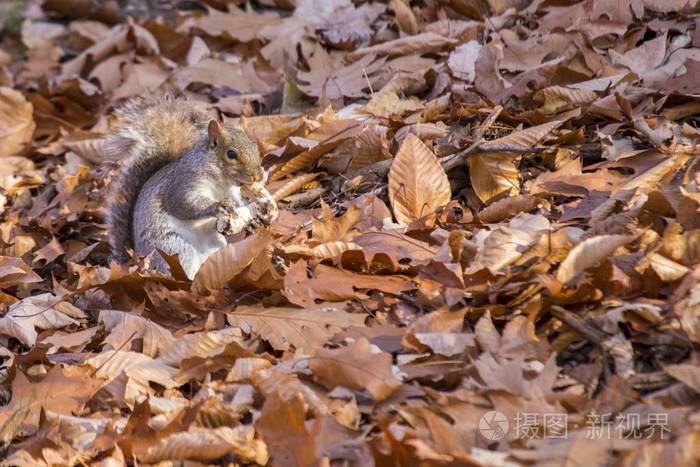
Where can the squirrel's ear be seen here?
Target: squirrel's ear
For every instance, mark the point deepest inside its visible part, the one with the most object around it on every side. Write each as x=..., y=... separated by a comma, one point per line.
x=215, y=131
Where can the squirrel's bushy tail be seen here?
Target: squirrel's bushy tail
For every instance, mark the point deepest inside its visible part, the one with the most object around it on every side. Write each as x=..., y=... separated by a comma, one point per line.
x=150, y=134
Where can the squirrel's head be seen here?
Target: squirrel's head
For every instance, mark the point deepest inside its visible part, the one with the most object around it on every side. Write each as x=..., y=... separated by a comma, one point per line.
x=237, y=155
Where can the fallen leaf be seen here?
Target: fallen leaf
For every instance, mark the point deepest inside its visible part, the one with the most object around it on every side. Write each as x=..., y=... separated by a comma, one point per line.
x=305, y=329
x=418, y=185
x=225, y=264
x=588, y=253
x=62, y=391
x=356, y=367
x=17, y=127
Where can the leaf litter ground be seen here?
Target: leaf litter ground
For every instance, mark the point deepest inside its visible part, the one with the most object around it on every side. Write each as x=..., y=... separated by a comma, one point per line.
x=487, y=252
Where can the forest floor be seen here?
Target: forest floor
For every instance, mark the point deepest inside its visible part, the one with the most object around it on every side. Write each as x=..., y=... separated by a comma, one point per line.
x=487, y=253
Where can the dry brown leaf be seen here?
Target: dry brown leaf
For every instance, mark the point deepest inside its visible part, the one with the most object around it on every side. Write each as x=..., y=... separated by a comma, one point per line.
x=631, y=191
x=293, y=185
x=205, y=444
x=326, y=250
x=387, y=104
x=462, y=61
x=129, y=374
x=201, y=344
x=331, y=228
x=334, y=285
x=16, y=122
x=356, y=367
x=404, y=16
x=282, y=426
x=588, y=253
x=321, y=141
x=235, y=24
x=124, y=328
x=62, y=391
x=506, y=207
x=14, y=271
x=502, y=247
x=558, y=98
x=494, y=174
x=44, y=311
x=307, y=329
x=420, y=43
x=418, y=185
x=228, y=262
x=334, y=79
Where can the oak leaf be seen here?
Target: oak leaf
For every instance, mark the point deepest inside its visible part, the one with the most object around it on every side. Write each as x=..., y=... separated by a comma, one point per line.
x=62, y=390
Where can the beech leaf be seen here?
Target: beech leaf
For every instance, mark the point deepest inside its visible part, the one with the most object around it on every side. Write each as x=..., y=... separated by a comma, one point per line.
x=356, y=367
x=228, y=262
x=418, y=185
x=588, y=253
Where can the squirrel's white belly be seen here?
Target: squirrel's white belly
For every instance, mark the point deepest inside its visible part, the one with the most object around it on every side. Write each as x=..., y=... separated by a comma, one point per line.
x=202, y=237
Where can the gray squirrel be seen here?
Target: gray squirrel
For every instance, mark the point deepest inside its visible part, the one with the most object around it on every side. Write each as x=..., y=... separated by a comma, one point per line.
x=185, y=183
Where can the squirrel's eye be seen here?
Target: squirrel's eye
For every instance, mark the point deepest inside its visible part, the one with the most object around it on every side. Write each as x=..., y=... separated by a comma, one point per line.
x=232, y=154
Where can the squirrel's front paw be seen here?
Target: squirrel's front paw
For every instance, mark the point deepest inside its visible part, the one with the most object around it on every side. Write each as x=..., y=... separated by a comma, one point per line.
x=223, y=221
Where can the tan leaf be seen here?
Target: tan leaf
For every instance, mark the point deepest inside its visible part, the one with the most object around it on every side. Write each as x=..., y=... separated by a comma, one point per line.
x=130, y=373
x=420, y=43
x=124, y=328
x=687, y=374
x=200, y=344
x=73, y=341
x=557, y=98
x=529, y=137
x=387, y=104
x=356, y=367
x=44, y=311
x=504, y=208
x=502, y=247
x=229, y=261
x=369, y=147
x=216, y=73
x=14, y=271
x=493, y=174
x=16, y=122
x=667, y=269
x=334, y=78
x=331, y=228
x=206, y=444
x=320, y=142
x=62, y=390
x=418, y=185
x=235, y=24
x=589, y=253
x=282, y=425
x=404, y=16
x=323, y=251
x=335, y=285
x=631, y=191
x=293, y=185
x=305, y=329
